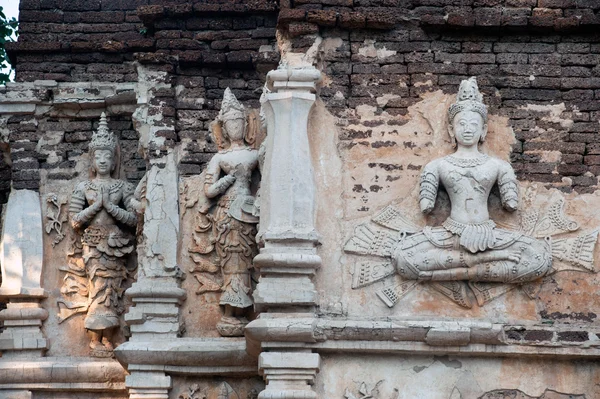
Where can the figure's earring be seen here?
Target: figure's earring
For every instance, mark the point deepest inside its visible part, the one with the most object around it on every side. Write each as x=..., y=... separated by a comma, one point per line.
x=451, y=134
x=484, y=131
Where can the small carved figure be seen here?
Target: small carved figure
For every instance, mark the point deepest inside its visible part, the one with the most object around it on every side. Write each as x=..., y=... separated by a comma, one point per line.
x=468, y=247
x=229, y=228
x=102, y=213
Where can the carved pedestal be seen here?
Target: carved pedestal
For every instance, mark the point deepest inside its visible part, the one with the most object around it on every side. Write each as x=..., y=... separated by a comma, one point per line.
x=21, y=259
x=156, y=295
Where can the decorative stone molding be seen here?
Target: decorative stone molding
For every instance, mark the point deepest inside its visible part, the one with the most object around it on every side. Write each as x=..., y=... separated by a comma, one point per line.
x=22, y=252
x=67, y=99
x=288, y=259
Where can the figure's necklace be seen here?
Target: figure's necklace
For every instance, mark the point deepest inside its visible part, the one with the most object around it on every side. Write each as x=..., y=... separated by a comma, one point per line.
x=111, y=185
x=236, y=149
x=467, y=162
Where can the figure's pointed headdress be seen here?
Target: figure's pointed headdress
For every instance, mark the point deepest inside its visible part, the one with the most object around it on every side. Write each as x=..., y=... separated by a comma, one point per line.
x=231, y=108
x=468, y=98
x=103, y=139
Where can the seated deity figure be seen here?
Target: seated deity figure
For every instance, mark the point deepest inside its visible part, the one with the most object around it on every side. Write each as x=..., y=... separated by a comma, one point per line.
x=468, y=246
x=228, y=181
x=101, y=212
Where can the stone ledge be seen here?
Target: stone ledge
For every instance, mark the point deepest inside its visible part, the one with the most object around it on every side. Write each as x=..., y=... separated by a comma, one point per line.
x=479, y=337
x=76, y=373
x=421, y=348
x=191, y=356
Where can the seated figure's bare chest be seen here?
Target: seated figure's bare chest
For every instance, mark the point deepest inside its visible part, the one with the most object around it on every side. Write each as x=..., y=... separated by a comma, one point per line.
x=464, y=179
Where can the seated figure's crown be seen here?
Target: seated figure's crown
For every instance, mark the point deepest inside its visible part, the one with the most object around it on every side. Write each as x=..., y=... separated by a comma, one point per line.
x=103, y=139
x=468, y=98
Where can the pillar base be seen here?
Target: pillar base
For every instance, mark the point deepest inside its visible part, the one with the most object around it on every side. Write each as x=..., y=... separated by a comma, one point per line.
x=289, y=375
x=148, y=385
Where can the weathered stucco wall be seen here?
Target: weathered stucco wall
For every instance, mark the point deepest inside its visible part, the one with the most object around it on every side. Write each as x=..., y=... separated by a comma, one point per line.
x=456, y=377
x=389, y=70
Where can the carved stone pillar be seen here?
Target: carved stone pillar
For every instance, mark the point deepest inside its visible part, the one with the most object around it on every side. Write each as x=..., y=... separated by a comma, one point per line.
x=156, y=295
x=288, y=259
x=289, y=375
x=22, y=254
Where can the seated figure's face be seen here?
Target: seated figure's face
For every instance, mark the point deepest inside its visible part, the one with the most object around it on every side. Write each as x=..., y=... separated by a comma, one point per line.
x=468, y=128
x=103, y=162
x=235, y=129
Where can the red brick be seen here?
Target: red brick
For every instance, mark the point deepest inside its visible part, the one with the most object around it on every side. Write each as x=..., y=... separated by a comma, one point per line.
x=460, y=16
x=149, y=14
x=544, y=16
x=291, y=15
x=515, y=16
x=322, y=17
x=488, y=16
x=302, y=28
x=352, y=20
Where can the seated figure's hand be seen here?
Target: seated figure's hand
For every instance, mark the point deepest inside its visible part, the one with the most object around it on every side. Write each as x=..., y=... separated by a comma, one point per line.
x=426, y=205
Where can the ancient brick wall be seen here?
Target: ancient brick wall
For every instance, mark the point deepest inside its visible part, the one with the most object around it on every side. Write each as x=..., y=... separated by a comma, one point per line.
x=537, y=62
x=212, y=45
x=78, y=41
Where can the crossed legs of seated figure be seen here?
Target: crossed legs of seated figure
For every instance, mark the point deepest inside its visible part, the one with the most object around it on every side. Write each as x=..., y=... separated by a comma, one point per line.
x=526, y=259
x=463, y=265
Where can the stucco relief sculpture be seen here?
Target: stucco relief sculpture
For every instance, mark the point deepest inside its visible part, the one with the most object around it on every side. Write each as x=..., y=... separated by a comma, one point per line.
x=55, y=217
x=224, y=240
x=365, y=393
x=469, y=251
x=103, y=217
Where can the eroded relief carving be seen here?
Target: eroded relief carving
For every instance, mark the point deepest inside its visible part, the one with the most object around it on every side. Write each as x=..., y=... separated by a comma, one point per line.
x=517, y=394
x=55, y=217
x=226, y=219
x=102, y=214
x=223, y=391
x=365, y=393
x=468, y=252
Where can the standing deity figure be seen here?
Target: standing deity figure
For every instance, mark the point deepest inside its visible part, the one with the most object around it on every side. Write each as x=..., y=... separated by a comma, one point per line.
x=468, y=246
x=228, y=182
x=102, y=213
